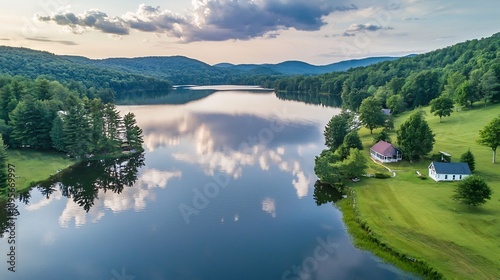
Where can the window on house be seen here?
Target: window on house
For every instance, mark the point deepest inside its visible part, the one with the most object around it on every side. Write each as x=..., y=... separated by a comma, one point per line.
x=446, y=177
x=453, y=177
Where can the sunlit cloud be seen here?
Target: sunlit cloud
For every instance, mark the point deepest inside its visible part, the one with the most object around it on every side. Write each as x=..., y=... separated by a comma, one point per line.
x=208, y=20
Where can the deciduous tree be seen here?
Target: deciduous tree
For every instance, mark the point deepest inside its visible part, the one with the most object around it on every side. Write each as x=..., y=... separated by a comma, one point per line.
x=441, y=106
x=472, y=191
x=415, y=137
x=489, y=136
x=370, y=113
x=336, y=129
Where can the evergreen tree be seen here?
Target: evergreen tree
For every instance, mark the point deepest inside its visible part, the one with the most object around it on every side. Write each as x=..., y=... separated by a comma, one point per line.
x=112, y=128
x=77, y=132
x=8, y=103
x=415, y=138
x=468, y=157
x=57, y=134
x=133, y=133
x=3, y=168
x=24, y=121
x=42, y=89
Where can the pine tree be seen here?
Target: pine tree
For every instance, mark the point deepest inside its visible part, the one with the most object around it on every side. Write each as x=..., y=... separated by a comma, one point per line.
x=112, y=128
x=468, y=157
x=57, y=134
x=77, y=132
x=3, y=167
x=133, y=133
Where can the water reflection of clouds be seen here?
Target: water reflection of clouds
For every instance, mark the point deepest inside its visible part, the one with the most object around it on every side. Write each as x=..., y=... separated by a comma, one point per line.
x=217, y=140
x=131, y=198
x=269, y=206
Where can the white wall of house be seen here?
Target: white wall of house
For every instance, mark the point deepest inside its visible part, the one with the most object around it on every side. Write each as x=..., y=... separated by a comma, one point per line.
x=445, y=177
x=382, y=158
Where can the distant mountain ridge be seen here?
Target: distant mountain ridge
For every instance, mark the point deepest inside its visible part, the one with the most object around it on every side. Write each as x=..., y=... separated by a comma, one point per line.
x=184, y=70
x=302, y=68
x=155, y=72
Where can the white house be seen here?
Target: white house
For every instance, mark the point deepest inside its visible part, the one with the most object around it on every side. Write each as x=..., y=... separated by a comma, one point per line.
x=448, y=171
x=385, y=152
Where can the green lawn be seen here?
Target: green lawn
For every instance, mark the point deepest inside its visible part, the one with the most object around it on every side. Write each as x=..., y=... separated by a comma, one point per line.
x=418, y=217
x=33, y=166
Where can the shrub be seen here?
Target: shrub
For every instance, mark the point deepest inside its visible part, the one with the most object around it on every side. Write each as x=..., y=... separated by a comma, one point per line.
x=382, y=175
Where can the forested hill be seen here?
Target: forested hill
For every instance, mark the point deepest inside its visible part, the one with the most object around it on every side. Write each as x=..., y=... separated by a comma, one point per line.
x=183, y=70
x=465, y=73
x=178, y=69
x=302, y=68
x=33, y=64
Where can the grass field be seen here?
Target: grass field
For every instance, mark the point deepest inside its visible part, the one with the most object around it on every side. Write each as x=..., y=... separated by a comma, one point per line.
x=32, y=166
x=418, y=217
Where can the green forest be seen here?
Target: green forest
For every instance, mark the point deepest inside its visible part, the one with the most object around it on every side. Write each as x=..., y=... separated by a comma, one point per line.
x=465, y=73
x=47, y=115
x=34, y=64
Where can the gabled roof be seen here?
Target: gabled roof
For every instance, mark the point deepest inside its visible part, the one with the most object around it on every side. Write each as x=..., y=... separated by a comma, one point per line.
x=384, y=148
x=386, y=112
x=451, y=167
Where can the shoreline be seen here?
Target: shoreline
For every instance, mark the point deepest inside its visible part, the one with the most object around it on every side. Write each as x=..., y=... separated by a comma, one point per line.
x=365, y=238
x=44, y=156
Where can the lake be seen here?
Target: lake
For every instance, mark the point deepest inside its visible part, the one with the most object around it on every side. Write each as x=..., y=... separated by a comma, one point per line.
x=224, y=190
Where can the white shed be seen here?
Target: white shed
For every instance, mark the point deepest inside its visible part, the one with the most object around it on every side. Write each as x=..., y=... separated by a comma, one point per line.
x=448, y=171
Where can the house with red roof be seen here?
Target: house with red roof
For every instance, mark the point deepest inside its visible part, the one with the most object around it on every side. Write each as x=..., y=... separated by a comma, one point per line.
x=385, y=152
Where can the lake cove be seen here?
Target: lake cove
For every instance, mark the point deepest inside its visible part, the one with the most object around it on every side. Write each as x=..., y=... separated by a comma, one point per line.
x=224, y=190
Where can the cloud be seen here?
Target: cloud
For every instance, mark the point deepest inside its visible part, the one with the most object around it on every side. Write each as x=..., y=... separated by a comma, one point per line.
x=367, y=27
x=4, y=39
x=47, y=40
x=91, y=19
x=269, y=206
x=208, y=20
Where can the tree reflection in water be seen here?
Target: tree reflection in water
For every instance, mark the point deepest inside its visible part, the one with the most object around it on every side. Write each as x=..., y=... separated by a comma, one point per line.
x=325, y=193
x=83, y=181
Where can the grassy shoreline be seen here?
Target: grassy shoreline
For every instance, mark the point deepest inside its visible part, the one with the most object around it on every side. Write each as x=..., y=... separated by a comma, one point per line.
x=35, y=166
x=418, y=219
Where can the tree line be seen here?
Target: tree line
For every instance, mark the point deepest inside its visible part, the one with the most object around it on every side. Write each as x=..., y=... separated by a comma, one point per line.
x=46, y=115
x=33, y=64
x=464, y=73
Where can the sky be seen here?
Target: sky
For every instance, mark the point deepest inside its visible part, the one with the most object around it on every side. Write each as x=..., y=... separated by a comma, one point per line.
x=245, y=31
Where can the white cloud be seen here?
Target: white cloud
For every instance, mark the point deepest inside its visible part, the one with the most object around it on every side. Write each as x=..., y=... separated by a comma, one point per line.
x=269, y=206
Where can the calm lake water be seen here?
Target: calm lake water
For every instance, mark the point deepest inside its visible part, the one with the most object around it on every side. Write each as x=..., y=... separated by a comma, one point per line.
x=224, y=190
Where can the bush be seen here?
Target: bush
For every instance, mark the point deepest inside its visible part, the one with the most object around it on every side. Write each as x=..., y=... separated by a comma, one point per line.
x=382, y=175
